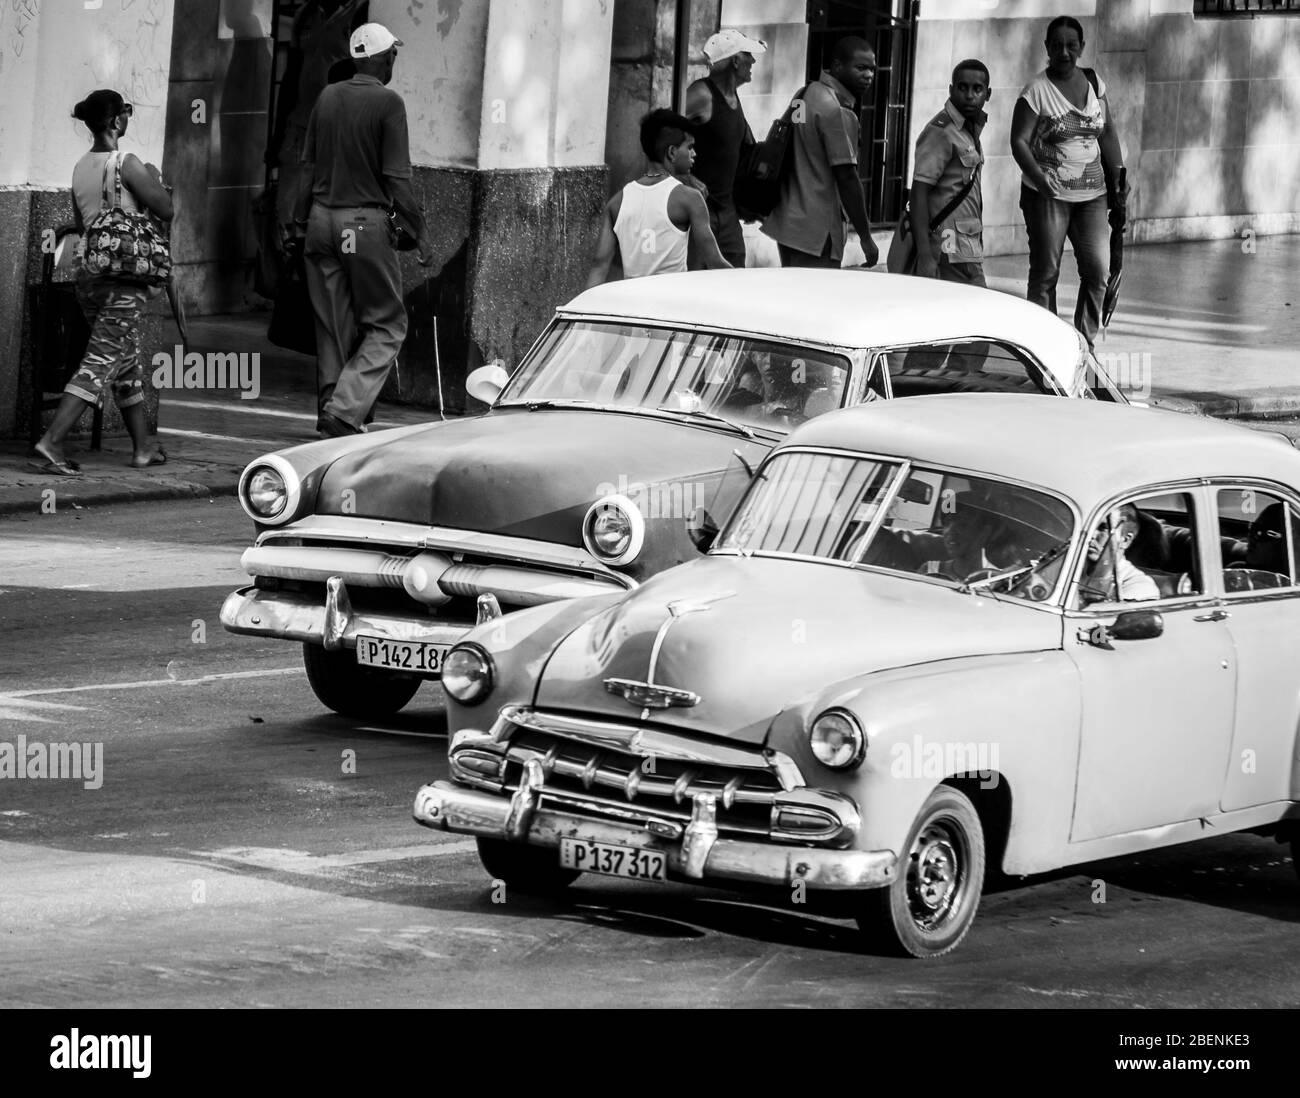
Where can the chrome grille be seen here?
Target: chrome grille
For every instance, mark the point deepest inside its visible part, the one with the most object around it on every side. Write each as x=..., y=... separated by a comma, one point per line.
x=606, y=781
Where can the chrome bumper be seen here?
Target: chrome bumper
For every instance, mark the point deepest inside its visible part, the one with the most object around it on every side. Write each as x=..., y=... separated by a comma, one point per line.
x=700, y=854
x=334, y=625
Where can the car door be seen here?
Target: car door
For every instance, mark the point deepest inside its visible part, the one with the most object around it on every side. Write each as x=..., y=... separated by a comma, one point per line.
x=1157, y=713
x=1262, y=603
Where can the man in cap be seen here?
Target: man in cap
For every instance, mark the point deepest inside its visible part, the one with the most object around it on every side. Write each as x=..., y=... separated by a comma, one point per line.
x=356, y=168
x=722, y=136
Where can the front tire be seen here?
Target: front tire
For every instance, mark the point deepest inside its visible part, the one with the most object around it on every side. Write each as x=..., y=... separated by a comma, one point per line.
x=352, y=689
x=532, y=870
x=928, y=908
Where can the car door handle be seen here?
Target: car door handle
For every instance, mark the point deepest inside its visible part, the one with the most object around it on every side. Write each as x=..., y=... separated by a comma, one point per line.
x=1213, y=615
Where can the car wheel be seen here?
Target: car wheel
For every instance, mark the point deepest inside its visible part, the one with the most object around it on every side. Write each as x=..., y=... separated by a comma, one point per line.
x=353, y=689
x=532, y=870
x=927, y=909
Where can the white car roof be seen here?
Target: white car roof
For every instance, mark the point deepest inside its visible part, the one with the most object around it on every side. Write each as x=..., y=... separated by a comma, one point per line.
x=847, y=308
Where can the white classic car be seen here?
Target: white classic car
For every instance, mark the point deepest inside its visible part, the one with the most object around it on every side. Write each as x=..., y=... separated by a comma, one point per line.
x=946, y=634
x=372, y=551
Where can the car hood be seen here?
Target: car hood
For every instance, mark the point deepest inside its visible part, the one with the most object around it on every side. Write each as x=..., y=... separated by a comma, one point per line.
x=519, y=473
x=752, y=636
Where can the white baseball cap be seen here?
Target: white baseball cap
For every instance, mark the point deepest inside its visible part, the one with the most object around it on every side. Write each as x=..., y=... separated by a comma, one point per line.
x=372, y=39
x=729, y=42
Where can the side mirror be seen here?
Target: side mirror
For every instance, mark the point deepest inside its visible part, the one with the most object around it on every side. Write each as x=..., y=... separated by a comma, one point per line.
x=486, y=382
x=701, y=529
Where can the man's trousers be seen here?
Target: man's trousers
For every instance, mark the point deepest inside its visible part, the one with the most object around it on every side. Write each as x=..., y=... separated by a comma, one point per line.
x=355, y=284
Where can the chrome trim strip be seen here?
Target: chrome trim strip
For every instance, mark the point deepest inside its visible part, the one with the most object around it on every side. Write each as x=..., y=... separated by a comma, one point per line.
x=363, y=531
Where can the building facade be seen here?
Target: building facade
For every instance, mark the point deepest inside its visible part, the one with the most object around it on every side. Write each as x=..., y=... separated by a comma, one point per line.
x=523, y=120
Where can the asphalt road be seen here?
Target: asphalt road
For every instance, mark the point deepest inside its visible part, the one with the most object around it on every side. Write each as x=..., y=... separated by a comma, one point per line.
x=246, y=848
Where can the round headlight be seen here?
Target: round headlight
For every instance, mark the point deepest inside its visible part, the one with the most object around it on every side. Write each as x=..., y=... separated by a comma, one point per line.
x=267, y=493
x=467, y=674
x=614, y=530
x=270, y=490
x=837, y=740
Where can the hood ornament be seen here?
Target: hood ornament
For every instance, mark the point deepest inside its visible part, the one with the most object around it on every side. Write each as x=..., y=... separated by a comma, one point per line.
x=647, y=695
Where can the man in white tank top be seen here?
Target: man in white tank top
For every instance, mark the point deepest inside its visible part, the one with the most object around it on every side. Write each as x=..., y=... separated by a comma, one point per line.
x=652, y=219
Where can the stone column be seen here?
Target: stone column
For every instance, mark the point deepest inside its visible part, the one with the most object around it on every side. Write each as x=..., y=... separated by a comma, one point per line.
x=506, y=103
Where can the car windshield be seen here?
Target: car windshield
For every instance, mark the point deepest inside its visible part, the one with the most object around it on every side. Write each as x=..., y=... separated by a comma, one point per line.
x=757, y=382
x=937, y=523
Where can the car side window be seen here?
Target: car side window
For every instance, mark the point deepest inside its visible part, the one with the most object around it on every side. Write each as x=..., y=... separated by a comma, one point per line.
x=1142, y=549
x=964, y=366
x=1258, y=537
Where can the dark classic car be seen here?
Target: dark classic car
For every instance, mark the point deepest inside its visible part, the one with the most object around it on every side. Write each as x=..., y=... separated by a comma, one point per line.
x=586, y=473
x=953, y=633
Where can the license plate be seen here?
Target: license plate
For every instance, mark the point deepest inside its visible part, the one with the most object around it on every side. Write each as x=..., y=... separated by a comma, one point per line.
x=401, y=655
x=614, y=860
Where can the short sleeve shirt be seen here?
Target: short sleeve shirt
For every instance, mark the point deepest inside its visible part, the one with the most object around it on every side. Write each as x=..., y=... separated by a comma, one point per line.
x=947, y=156
x=356, y=135
x=808, y=214
x=1065, y=139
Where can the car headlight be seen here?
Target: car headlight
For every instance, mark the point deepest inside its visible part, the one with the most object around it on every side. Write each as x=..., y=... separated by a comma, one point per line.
x=269, y=490
x=837, y=739
x=614, y=530
x=467, y=674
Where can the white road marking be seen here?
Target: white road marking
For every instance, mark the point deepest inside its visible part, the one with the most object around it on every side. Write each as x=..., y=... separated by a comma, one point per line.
x=401, y=732
x=218, y=438
x=300, y=861
x=215, y=407
x=154, y=682
x=14, y=709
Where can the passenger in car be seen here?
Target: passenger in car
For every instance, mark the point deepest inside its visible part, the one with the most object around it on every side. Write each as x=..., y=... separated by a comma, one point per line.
x=1265, y=546
x=969, y=530
x=1107, y=569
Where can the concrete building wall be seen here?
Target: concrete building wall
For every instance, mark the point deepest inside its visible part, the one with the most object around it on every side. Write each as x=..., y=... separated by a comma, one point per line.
x=1206, y=108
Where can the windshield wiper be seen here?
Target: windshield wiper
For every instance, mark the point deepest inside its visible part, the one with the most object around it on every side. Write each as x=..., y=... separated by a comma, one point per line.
x=711, y=416
x=533, y=405
x=1013, y=575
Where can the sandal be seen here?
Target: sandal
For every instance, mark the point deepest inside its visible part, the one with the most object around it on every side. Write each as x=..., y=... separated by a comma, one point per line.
x=56, y=468
x=49, y=459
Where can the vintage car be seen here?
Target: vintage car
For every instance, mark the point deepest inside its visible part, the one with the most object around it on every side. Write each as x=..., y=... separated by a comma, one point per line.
x=946, y=634
x=618, y=425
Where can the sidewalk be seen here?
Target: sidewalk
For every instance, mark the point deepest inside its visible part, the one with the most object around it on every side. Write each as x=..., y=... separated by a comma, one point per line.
x=1214, y=326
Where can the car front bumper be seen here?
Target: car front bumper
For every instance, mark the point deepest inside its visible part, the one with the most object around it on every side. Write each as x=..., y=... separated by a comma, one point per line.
x=700, y=854
x=291, y=616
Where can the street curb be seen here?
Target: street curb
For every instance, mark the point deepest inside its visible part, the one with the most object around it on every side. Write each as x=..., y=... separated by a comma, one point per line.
x=28, y=499
x=1266, y=404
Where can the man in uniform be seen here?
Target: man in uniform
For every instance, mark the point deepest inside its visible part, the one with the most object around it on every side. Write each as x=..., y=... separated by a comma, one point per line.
x=356, y=168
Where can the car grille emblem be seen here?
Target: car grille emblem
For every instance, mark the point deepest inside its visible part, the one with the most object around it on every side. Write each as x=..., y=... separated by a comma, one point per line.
x=645, y=695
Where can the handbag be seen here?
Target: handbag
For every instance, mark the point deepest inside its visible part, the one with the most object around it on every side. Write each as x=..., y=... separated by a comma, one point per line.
x=401, y=233
x=757, y=188
x=902, y=257
x=129, y=246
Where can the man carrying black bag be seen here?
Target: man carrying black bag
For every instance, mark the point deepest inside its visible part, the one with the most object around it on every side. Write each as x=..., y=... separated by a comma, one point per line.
x=946, y=193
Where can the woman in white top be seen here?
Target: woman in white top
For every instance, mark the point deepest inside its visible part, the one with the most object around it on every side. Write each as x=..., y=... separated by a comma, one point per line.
x=651, y=219
x=1065, y=141
x=114, y=309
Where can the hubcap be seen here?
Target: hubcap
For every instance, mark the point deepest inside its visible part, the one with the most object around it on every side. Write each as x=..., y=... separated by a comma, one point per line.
x=936, y=874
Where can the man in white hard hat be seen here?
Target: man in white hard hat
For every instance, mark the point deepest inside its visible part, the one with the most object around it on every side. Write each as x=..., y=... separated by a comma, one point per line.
x=722, y=136
x=356, y=168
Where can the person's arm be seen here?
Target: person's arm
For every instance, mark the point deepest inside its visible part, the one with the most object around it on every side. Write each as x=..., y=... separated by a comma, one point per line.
x=927, y=262
x=854, y=202
x=145, y=182
x=395, y=164
x=1023, y=121
x=690, y=202
x=606, y=245
x=699, y=102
